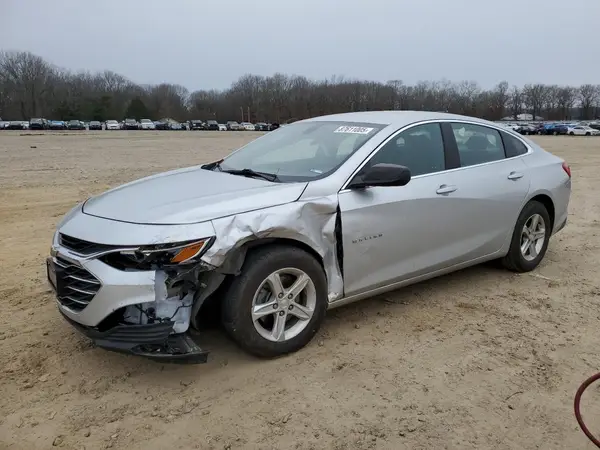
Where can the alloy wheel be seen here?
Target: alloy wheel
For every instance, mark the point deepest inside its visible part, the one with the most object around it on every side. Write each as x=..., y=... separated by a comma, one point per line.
x=533, y=236
x=283, y=304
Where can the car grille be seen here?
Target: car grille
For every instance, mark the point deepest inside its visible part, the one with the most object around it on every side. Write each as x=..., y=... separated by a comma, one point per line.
x=83, y=247
x=76, y=286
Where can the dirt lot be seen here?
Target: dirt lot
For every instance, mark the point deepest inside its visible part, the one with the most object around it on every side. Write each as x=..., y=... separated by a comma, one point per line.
x=481, y=359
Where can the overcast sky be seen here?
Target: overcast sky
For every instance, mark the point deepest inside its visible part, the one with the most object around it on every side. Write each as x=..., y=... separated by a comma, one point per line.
x=205, y=44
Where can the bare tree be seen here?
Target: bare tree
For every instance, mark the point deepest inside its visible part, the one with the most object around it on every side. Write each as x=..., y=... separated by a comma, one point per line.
x=565, y=97
x=30, y=86
x=534, y=97
x=515, y=100
x=26, y=75
x=588, y=95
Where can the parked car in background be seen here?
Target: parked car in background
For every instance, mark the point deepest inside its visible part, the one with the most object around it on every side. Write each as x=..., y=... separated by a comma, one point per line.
x=38, y=124
x=212, y=125
x=16, y=125
x=222, y=127
x=261, y=126
x=258, y=233
x=162, y=125
x=75, y=125
x=147, y=124
x=555, y=129
x=582, y=130
x=232, y=125
x=274, y=126
x=3, y=125
x=526, y=129
x=197, y=125
x=247, y=126
x=169, y=124
x=95, y=125
x=57, y=125
x=130, y=124
x=112, y=125
x=538, y=128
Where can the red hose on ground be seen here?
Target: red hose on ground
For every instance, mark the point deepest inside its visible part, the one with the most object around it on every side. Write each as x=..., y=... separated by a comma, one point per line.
x=578, y=395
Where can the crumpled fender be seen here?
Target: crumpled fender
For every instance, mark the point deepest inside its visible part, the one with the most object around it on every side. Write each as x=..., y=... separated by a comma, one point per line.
x=311, y=222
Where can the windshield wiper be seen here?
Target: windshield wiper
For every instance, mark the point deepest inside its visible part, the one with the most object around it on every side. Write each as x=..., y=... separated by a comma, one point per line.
x=253, y=174
x=213, y=165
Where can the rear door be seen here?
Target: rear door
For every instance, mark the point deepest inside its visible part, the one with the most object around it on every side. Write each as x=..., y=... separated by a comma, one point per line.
x=492, y=184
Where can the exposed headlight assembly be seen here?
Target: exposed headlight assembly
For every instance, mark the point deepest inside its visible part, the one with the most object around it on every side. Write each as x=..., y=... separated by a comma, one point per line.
x=159, y=256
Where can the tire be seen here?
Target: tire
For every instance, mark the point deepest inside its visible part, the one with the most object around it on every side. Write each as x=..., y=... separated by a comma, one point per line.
x=515, y=260
x=239, y=302
x=588, y=134
x=572, y=134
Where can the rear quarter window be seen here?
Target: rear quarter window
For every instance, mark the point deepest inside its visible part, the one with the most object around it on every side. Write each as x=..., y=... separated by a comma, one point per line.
x=513, y=146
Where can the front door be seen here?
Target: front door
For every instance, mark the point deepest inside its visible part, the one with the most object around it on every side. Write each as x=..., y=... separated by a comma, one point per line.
x=396, y=233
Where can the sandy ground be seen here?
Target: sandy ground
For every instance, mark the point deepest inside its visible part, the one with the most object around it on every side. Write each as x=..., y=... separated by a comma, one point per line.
x=480, y=359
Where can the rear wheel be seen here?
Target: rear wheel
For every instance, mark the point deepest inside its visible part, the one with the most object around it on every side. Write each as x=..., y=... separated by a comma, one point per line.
x=278, y=302
x=572, y=134
x=530, y=238
x=588, y=134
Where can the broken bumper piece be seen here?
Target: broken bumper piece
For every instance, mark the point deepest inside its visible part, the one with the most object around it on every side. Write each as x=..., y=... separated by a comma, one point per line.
x=153, y=341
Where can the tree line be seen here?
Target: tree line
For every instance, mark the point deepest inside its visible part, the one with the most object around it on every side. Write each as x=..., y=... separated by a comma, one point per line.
x=33, y=87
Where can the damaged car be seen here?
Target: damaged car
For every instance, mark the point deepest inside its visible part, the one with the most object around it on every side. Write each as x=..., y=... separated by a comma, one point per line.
x=317, y=214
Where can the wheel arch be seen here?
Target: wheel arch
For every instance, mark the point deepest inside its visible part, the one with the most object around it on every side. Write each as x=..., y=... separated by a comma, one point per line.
x=548, y=203
x=233, y=264
x=236, y=257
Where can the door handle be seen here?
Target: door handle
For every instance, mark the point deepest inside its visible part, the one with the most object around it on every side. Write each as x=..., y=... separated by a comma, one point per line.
x=445, y=189
x=515, y=175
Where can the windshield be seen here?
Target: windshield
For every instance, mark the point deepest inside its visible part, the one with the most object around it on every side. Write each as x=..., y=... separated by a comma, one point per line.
x=303, y=151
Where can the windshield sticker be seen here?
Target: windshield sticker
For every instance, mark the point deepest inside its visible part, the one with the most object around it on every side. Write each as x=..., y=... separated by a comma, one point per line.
x=354, y=130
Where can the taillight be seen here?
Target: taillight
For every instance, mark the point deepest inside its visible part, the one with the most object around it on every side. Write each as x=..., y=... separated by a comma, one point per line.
x=566, y=168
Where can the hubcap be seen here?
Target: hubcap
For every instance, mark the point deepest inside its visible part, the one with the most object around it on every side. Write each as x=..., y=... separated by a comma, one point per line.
x=533, y=236
x=283, y=304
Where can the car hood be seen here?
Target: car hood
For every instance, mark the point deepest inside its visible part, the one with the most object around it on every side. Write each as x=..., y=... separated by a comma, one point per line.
x=189, y=195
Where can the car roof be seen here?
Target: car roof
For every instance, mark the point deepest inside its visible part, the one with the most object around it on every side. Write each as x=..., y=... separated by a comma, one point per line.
x=395, y=118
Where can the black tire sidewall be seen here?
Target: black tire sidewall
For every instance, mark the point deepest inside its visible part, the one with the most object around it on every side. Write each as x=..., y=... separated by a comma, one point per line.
x=514, y=255
x=237, y=304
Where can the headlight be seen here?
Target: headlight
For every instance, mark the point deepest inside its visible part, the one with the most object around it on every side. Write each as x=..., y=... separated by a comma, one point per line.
x=179, y=253
x=152, y=257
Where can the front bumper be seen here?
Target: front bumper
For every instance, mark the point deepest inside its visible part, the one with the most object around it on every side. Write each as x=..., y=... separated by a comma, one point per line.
x=93, y=295
x=153, y=341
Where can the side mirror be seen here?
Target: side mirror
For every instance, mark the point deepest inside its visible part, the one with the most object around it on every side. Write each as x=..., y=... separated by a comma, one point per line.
x=381, y=175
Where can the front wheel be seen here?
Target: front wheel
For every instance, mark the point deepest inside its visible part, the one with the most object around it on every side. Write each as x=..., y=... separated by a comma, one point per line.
x=278, y=302
x=530, y=238
x=572, y=134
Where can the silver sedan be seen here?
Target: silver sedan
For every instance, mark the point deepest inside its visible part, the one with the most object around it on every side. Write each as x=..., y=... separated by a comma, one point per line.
x=314, y=215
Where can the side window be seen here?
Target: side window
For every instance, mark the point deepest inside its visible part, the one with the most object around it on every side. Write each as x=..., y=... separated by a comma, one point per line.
x=477, y=144
x=513, y=146
x=419, y=148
